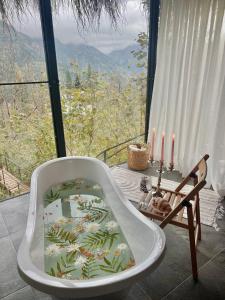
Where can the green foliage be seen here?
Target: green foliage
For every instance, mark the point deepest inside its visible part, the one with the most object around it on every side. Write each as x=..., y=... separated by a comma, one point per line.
x=94, y=213
x=51, y=196
x=141, y=53
x=67, y=185
x=70, y=257
x=112, y=266
x=77, y=81
x=62, y=267
x=99, y=239
x=89, y=268
x=60, y=236
x=68, y=79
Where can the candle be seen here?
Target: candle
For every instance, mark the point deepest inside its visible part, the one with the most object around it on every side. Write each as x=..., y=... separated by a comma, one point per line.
x=162, y=148
x=172, y=150
x=153, y=142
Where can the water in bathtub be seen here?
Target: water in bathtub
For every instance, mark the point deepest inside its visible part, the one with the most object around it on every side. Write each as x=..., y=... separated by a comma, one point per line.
x=82, y=236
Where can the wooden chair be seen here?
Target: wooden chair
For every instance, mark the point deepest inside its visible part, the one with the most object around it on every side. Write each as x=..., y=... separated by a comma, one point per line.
x=179, y=201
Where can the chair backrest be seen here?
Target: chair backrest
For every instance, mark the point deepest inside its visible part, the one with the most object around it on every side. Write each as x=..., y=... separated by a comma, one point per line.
x=200, y=170
x=197, y=174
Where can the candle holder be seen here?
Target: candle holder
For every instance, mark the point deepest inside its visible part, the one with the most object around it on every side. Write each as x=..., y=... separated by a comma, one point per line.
x=157, y=192
x=171, y=167
x=152, y=161
x=161, y=169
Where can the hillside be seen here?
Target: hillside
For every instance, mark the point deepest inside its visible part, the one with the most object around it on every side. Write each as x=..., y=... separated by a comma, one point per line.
x=21, y=49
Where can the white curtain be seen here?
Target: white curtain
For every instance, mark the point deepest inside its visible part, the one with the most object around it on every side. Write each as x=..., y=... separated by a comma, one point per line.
x=189, y=88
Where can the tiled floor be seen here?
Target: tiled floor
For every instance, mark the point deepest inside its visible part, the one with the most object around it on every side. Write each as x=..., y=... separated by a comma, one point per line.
x=171, y=280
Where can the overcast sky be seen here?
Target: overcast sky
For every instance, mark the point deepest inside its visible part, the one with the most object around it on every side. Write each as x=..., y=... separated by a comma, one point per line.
x=105, y=39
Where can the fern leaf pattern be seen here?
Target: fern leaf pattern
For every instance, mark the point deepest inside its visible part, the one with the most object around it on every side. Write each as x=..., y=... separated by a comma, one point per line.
x=51, y=196
x=90, y=268
x=83, y=239
x=61, y=236
x=100, y=239
x=62, y=269
x=112, y=266
x=95, y=213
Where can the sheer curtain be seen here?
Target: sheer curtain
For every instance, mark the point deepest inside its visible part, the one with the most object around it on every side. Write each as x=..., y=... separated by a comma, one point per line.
x=189, y=88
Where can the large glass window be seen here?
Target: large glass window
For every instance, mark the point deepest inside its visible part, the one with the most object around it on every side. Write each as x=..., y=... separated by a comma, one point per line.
x=26, y=131
x=102, y=73
x=103, y=81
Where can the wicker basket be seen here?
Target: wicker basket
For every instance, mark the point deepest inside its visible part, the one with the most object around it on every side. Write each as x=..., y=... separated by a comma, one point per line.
x=138, y=155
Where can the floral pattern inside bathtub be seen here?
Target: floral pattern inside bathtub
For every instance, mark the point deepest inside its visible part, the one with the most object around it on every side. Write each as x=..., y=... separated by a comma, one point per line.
x=82, y=236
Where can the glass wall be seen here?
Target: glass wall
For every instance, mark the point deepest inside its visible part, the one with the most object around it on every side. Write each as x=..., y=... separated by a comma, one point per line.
x=102, y=71
x=103, y=81
x=26, y=131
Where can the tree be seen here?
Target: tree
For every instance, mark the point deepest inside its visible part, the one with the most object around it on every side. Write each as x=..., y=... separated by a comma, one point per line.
x=77, y=81
x=68, y=79
x=141, y=53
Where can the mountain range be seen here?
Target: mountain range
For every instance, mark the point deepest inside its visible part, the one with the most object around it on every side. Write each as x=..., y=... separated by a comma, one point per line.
x=26, y=49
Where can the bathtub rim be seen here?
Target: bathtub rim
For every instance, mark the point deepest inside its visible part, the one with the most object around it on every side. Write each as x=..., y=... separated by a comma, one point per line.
x=37, y=277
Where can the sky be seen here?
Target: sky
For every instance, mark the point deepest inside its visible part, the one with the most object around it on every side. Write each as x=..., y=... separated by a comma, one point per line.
x=106, y=38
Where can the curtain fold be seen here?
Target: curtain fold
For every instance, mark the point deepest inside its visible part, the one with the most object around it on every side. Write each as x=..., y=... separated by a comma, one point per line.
x=189, y=88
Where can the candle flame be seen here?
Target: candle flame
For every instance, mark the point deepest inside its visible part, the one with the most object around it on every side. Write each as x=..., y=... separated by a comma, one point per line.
x=173, y=136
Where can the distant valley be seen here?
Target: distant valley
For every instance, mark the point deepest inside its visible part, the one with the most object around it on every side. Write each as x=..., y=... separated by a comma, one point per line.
x=22, y=49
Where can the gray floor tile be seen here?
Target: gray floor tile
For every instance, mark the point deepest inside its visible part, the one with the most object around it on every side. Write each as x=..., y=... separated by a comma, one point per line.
x=211, y=285
x=10, y=280
x=212, y=242
x=23, y=294
x=16, y=238
x=41, y=296
x=171, y=278
x=137, y=292
x=219, y=261
x=175, y=267
x=14, y=213
x=3, y=229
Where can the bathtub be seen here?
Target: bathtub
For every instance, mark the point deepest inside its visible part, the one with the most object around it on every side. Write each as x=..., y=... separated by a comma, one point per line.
x=145, y=238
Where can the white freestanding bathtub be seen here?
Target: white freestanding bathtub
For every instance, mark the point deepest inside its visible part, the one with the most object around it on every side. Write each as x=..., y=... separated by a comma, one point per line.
x=145, y=238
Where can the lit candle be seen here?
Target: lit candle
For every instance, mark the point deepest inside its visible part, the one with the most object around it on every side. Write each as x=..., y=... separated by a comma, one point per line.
x=162, y=148
x=172, y=150
x=153, y=143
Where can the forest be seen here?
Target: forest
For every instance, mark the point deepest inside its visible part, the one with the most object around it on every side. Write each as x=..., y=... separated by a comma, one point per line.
x=100, y=109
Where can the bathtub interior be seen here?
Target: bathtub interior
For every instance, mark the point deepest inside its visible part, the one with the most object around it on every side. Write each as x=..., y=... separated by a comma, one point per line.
x=138, y=235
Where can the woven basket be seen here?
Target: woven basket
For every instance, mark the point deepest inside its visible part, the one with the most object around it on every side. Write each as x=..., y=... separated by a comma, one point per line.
x=138, y=160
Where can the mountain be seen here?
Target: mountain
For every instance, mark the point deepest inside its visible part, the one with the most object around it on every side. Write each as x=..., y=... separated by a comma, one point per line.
x=19, y=46
x=21, y=49
x=125, y=59
x=84, y=55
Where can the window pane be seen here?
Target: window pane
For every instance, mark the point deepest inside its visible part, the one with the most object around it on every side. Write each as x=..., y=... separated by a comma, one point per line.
x=103, y=82
x=26, y=134
x=22, y=53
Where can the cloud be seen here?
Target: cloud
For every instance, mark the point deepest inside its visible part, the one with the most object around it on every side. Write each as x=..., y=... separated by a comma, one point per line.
x=105, y=38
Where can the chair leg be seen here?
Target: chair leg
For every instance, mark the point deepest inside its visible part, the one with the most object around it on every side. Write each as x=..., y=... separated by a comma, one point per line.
x=198, y=220
x=192, y=242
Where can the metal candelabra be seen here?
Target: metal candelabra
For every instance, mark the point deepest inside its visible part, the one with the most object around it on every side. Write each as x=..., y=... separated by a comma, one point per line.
x=157, y=192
